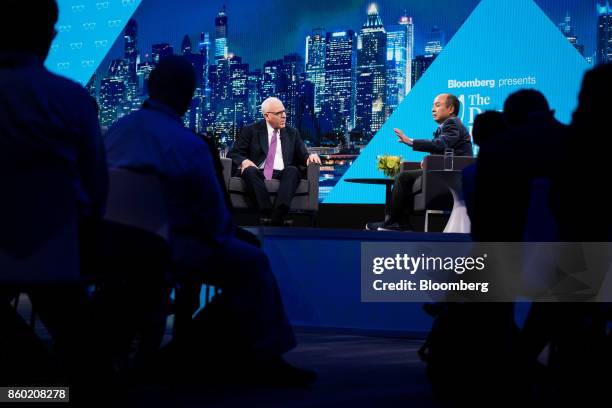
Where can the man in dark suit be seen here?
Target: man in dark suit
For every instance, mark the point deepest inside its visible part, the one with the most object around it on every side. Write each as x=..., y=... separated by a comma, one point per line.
x=270, y=150
x=450, y=134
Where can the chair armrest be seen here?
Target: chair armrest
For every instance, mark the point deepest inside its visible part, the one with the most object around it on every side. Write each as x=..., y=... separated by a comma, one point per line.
x=227, y=170
x=436, y=162
x=313, y=172
x=406, y=166
x=433, y=162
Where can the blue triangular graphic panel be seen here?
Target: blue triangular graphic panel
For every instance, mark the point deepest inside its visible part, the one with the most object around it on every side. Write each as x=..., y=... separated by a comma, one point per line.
x=86, y=31
x=500, y=49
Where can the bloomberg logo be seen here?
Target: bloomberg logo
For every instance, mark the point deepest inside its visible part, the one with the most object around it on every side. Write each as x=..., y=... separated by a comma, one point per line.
x=475, y=83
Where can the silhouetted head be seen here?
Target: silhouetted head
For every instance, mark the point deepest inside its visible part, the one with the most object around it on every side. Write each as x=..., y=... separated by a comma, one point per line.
x=594, y=97
x=172, y=82
x=444, y=107
x=488, y=125
x=28, y=26
x=523, y=104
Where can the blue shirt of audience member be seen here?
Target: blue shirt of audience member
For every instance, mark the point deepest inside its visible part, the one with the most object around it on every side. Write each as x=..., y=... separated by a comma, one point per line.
x=154, y=140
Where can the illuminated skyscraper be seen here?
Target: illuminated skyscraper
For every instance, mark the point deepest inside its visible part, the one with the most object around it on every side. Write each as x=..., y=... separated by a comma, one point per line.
x=221, y=50
x=371, y=74
x=420, y=64
x=604, y=33
x=130, y=51
x=254, y=98
x=118, y=68
x=270, y=78
x=222, y=101
x=206, y=92
x=315, y=65
x=194, y=117
x=239, y=74
x=112, y=97
x=160, y=51
x=288, y=85
x=131, y=60
x=339, y=101
x=435, y=42
x=400, y=41
x=306, y=121
x=144, y=70
x=568, y=32
x=186, y=45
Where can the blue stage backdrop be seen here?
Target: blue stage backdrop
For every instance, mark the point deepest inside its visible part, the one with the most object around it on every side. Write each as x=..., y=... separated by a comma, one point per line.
x=86, y=30
x=498, y=50
x=348, y=71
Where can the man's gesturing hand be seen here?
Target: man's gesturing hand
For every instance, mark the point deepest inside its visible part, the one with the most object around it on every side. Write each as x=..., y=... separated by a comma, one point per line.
x=402, y=137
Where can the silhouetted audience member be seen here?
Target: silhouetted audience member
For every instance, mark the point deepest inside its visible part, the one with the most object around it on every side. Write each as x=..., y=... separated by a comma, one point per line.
x=512, y=203
x=581, y=352
x=578, y=192
x=48, y=125
x=487, y=126
x=470, y=345
x=509, y=164
x=254, y=326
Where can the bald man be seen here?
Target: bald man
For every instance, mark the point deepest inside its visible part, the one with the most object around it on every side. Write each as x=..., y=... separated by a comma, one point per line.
x=450, y=134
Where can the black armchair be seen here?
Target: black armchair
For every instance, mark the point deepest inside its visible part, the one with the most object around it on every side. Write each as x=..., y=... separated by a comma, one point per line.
x=306, y=199
x=437, y=191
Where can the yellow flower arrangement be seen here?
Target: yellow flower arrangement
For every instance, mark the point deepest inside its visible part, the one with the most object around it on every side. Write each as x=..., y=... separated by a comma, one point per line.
x=390, y=165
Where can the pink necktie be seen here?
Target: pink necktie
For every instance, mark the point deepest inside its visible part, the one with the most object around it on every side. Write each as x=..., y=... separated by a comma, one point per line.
x=269, y=165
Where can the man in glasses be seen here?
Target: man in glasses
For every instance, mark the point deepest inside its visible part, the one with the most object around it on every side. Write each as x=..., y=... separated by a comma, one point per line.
x=269, y=150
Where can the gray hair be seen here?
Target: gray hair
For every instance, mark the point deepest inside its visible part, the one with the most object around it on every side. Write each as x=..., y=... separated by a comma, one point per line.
x=266, y=103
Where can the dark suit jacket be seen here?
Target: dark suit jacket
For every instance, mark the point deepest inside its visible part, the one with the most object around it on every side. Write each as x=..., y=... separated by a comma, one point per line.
x=252, y=144
x=451, y=134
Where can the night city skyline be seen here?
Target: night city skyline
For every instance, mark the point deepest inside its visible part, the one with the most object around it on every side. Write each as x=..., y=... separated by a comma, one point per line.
x=338, y=86
x=324, y=15
x=418, y=53
x=164, y=22
x=375, y=96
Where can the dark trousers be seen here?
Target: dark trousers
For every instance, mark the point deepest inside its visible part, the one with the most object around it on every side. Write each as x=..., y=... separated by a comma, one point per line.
x=188, y=288
x=248, y=317
x=128, y=266
x=402, y=198
x=289, y=180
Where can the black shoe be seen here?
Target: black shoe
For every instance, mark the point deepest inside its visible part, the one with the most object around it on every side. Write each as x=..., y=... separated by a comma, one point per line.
x=374, y=226
x=277, y=222
x=389, y=227
x=266, y=221
x=278, y=216
x=394, y=227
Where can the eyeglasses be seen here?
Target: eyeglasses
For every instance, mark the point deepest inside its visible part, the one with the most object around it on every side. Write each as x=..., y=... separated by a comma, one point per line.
x=279, y=114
